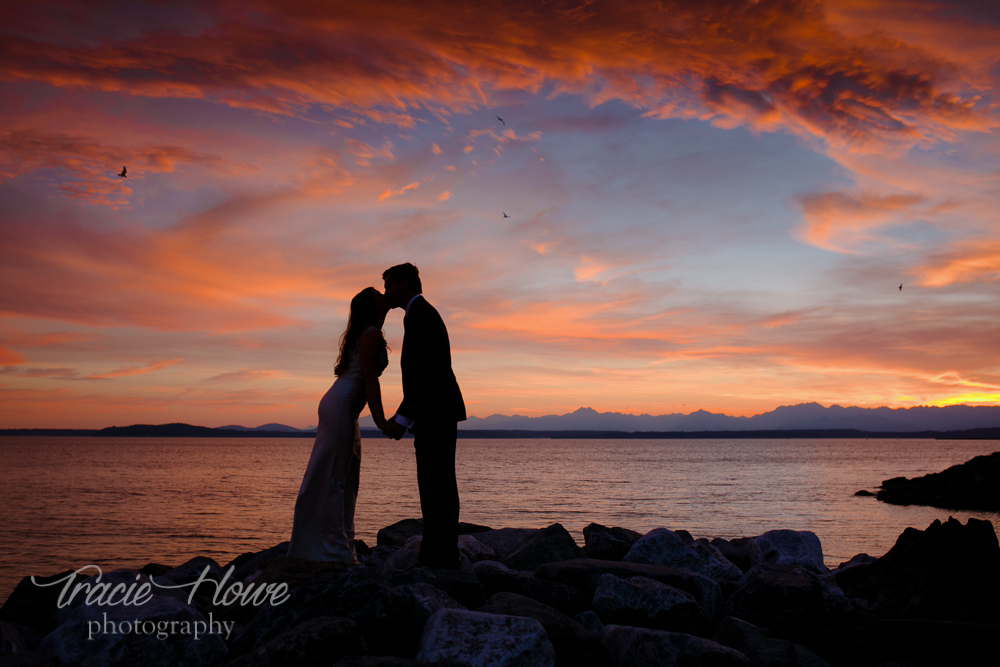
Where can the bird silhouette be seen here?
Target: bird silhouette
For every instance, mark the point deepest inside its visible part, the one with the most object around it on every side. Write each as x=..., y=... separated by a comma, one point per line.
x=124, y=170
x=900, y=287
x=501, y=120
x=505, y=215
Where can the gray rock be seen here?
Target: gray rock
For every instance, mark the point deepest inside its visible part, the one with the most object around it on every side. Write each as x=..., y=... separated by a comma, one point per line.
x=472, y=639
x=788, y=547
x=786, y=599
x=647, y=603
x=574, y=644
x=761, y=648
x=504, y=540
x=585, y=573
x=191, y=571
x=642, y=647
x=736, y=551
x=360, y=594
x=404, y=558
x=426, y=600
x=590, y=620
x=665, y=548
x=314, y=643
x=398, y=533
x=463, y=586
x=608, y=543
x=474, y=549
x=714, y=562
x=548, y=545
x=33, y=603
x=498, y=578
x=98, y=636
x=860, y=559
x=377, y=557
x=246, y=564
x=17, y=638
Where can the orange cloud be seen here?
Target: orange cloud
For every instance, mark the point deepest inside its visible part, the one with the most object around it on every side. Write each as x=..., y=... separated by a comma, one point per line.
x=837, y=220
x=132, y=370
x=966, y=262
x=766, y=65
x=395, y=193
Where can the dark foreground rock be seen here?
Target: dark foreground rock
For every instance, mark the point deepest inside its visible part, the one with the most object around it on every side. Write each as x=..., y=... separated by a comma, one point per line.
x=947, y=572
x=763, y=600
x=641, y=647
x=973, y=485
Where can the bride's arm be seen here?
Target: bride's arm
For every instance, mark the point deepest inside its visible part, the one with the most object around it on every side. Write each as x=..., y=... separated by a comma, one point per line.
x=372, y=346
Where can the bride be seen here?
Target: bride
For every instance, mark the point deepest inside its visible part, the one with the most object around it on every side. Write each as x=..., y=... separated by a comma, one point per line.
x=323, y=525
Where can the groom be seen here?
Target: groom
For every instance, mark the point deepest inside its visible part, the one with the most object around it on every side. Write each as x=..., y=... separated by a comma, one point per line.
x=432, y=407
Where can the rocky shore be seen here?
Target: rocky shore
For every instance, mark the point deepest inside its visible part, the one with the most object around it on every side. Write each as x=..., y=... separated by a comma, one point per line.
x=532, y=597
x=973, y=485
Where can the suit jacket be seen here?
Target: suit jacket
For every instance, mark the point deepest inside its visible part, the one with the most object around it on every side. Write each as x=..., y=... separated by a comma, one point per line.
x=430, y=390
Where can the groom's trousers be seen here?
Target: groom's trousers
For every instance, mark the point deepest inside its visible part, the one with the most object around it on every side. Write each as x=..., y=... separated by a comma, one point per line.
x=434, y=445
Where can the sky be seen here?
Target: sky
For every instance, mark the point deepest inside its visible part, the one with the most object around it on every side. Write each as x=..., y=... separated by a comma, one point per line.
x=686, y=206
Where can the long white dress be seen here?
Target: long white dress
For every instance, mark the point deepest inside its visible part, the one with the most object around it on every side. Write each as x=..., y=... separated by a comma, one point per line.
x=323, y=525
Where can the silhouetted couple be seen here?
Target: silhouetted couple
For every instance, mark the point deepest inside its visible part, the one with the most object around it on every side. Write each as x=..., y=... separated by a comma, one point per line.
x=432, y=406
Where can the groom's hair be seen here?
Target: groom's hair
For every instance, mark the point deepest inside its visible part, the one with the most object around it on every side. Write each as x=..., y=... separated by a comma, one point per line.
x=404, y=273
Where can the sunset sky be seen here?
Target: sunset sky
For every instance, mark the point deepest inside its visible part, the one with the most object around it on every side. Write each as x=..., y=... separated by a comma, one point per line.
x=712, y=204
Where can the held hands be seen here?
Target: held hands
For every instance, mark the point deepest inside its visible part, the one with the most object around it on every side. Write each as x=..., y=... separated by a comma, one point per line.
x=393, y=429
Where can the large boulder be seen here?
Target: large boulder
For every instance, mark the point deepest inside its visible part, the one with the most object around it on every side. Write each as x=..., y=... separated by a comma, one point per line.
x=162, y=631
x=641, y=647
x=425, y=600
x=947, y=572
x=790, y=601
x=314, y=643
x=914, y=642
x=647, y=603
x=398, y=533
x=973, y=485
x=248, y=563
x=608, y=543
x=32, y=603
x=504, y=540
x=736, y=551
x=471, y=639
x=761, y=648
x=498, y=578
x=666, y=548
x=17, y=638
x=461, y=585
x=548, y=545
x=800, y=548
x=585, y=574
x=360, y=594
x=575, y=646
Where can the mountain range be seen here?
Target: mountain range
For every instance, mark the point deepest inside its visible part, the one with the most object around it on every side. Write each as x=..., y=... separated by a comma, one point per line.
x=804, y=416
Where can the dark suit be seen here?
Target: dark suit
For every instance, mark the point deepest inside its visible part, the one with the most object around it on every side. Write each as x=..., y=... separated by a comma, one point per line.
x=433, y=400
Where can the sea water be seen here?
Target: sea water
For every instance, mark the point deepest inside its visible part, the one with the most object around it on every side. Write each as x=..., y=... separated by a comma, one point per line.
x=124, y=502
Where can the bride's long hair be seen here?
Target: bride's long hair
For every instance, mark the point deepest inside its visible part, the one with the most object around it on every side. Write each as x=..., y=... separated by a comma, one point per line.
x=364, y=314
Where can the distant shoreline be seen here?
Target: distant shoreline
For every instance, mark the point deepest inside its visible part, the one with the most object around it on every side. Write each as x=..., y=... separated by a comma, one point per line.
x=189, y=431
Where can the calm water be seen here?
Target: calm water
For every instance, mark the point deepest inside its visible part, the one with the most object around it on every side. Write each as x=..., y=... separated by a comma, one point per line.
x=115, y=502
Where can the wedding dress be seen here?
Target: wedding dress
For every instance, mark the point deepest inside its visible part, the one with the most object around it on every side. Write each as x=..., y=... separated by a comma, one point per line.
x=323, y=524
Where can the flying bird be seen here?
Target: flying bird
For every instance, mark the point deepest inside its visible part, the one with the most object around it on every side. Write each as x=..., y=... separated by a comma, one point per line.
x=900, y=287
x=124, y=170
x=504, y=214
x=501, y=120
